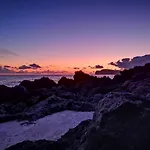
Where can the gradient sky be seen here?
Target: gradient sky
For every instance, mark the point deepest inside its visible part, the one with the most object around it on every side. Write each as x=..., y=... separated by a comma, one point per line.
x=63, y=34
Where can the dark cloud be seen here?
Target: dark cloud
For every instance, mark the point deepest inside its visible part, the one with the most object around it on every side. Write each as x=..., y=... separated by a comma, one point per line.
x=6, y=66
x=5, y=70
x=96, y=67
x=34, y=66
x=31, y=66
x=24, y=67
x=127, y=63
x=76, y=68
x=4, y=52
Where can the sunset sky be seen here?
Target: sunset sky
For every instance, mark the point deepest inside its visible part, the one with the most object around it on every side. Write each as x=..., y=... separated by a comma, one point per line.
x=64, y=35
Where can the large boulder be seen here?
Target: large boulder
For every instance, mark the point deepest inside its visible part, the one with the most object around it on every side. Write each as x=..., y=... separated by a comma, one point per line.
x=136, y=73
x=38, y=83
x=81, y=77
x=121, y=122
x=140, y=88
x=112, y=101
x=66, y=82
x=14, y=94
x=86, y=82
x=74, y=137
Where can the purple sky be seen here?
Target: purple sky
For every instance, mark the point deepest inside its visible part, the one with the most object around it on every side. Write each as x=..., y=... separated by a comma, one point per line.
x=72, y=33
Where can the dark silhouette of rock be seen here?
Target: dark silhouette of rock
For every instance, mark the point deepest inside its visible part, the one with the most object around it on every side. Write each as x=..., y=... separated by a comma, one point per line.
x=74, y=137
x=86, y=82
x=38, y=83
x=124, y=126
x=141, y=88
x=81, y=77
x=66, y=82
x=136, y=73
x=14, y=94
x=5, y=93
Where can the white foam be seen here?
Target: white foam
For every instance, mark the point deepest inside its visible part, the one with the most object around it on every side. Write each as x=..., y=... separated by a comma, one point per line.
x=50, y=127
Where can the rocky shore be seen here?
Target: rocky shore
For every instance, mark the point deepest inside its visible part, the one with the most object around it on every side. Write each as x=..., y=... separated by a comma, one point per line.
x=121, y=105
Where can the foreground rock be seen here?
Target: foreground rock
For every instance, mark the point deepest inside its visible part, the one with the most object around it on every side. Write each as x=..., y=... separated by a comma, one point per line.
x=15, y=94
x=55, y=104
x=121, y=122
x=118, y=126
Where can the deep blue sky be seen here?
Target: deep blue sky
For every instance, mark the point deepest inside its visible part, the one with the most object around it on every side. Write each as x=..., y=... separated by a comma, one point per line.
x=73, y=32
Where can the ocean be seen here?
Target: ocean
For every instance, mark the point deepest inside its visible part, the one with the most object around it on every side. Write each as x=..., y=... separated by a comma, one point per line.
x=13, y=80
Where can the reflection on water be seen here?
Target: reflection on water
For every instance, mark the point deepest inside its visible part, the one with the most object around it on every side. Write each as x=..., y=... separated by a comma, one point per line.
x=51, y=127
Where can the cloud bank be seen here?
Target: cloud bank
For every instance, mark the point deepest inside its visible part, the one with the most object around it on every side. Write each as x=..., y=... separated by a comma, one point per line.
x=76, y=68
x=24, y=67
x=5, y=70
x=127, y=63
x=31, y=66
x=34, y=66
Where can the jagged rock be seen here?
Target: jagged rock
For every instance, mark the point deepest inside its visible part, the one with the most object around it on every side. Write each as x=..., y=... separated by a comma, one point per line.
x=44, y=108
x=140, y=89
x=120, y=122
x=9, y=108
x=15, y=94
x=66, y=82
x=81, y=77
x=74, y=137
x=21, y=90
x=5, y=108
x=55, y=104
x=42, y=93
x=67, y=95
x=5, y=93
x=136, y=73
x=9, y=117
x=112, y=101
x=38, y=83
x=97, y=97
